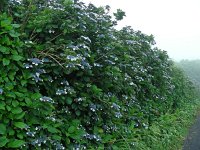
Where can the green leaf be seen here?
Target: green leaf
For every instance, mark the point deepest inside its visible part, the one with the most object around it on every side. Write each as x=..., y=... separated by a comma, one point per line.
x=2, y=106
x=69, y=101
x=3, y=141
x=19, y=116
x=4, y=50
x=8, y=108
x=57, y=137
x=36, y=96
x=23, y=82
x=9, y=86
x=20, y=125
x=68, y=2
x=10, y=94
x=19, y=94
x=14, y=34
x=107, y=138
x=2, y=129
x=26, y=74
x=15, y=103
x=6, y=61
x=39, y=30
x=16, y=143
x=6, y=40
x=20, y=135
x=78, y=112
x=52, y=130
x=5, y=23
x=71, y=129
x=11, y=75
x=76, y=122
x=16, y=25
x=16, y=110
x=16, y=57
x=28, y=102
x=11, y=132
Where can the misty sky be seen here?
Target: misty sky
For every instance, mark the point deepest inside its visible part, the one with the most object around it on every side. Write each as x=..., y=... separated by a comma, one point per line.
x=175, y=24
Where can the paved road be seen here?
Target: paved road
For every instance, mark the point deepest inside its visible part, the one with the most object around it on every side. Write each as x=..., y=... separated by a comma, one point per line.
x=192, y=141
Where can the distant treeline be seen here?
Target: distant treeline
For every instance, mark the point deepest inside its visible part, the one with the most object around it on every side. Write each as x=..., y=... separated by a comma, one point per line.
x=192, y=69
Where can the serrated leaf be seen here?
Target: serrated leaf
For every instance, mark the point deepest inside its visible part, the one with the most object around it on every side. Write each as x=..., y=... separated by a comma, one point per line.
x=69, y=101
x=10, y=94
x=14, y=34
x=9, y=86
x=8, y=108
x=28, y=102
x=11, y=75
x=19, y=94
x=71, y=129
x=15, y=103
x=2, y=106
x=78, y=112
x=36, y=96
x=20, y=136
x=16, y=25
x=3, y=141
x=16, y=57
x=52, y=129
x=6, y=61
x=2, y=128
x=100, y=130
x=5, y=23
x=107, y=138
x=57, y=137
x=16, y=110
x=11, y=132
x=4, y=50
x=23, y=82
x=39, y=30
x=20, y=125
x=16, y=143
x=19, y=116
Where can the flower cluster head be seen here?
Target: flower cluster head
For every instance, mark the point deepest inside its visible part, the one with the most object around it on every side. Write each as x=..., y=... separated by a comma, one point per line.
x=46, y=99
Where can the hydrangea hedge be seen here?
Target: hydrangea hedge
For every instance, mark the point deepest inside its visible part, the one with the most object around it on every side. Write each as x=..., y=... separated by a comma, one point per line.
x=70, y=80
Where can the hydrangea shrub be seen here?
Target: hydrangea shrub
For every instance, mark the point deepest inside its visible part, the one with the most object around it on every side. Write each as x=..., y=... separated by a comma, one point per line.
x=70, y=80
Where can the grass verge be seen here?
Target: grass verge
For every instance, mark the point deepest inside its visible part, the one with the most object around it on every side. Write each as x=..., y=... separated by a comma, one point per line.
x=169, y=132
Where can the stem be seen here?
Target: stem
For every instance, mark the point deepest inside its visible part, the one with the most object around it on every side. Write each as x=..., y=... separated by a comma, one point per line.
x=50, y=55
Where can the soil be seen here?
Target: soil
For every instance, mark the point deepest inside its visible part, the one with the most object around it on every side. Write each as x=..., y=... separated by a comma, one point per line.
x=192, y=141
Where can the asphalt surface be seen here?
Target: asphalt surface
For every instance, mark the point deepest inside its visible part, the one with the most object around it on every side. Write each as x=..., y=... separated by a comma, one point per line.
x=192, y=141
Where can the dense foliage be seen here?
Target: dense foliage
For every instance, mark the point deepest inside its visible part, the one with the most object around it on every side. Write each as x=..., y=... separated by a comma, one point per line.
x=70, y=80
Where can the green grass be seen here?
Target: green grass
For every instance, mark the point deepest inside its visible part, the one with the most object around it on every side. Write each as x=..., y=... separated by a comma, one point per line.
x=169, y=131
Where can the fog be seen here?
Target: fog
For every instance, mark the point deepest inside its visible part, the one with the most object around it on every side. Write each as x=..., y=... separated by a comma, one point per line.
x=175, y=24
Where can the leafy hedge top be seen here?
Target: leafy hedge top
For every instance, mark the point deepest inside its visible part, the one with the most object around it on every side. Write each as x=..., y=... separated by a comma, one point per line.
x=69, y=79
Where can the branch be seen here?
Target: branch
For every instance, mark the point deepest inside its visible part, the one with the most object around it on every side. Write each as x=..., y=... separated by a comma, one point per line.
x=50, y=55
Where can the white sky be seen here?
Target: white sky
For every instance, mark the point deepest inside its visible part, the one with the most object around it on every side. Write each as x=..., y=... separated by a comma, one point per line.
x=175, y=24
